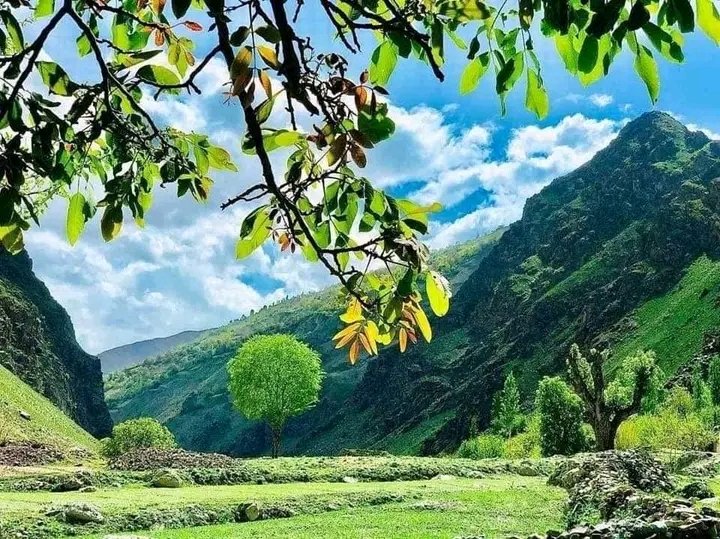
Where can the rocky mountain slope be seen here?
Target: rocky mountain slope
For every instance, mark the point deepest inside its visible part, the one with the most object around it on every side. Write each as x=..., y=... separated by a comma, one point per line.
x=623, y=252
x=37, y=344
x=128, y=355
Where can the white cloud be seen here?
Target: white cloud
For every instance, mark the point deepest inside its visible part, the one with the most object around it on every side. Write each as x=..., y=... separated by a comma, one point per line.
x=601, y=100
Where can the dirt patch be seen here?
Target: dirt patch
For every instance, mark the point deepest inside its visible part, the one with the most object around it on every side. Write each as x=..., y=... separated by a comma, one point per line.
x=154, y=459
x=23, y=454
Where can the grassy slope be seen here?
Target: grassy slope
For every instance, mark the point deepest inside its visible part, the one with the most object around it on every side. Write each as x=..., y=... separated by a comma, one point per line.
x=673, y=324
x=47, y=423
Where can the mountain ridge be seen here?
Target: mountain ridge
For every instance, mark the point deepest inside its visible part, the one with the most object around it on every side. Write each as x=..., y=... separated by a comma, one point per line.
x=590, y=251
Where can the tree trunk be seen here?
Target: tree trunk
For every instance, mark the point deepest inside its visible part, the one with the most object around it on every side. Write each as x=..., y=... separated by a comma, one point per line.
x=605, y=431
x=276, y=438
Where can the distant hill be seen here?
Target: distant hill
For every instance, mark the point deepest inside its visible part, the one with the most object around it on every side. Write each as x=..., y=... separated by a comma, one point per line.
x=26, y=415
x=37, y=344
x=187, y=387
x=623, y=252
x=128, y=355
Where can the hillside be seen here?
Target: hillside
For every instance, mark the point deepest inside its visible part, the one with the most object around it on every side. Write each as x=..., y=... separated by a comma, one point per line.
x=187, y=387
x=623, y=252
x=37, y=344
x=42, y=421
x=128, y=355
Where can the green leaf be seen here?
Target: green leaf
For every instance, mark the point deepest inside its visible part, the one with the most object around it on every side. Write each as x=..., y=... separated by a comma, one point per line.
x=14, y=31
x=589, y=55
x=44, y=8
x=536, y=98
x=473, y=72
x=111, y=222
x=75, y=223
x=220, y=159
x=647, y=68
x=438, y=293
x=376, y=127
x=669, y=45
x=261, y=227
x=180, y=7
x=708, y=19
x=56, y=79
x=83, y=45
x=463, y=10
x=158, y=74
x=564, y=46
x=383, y=62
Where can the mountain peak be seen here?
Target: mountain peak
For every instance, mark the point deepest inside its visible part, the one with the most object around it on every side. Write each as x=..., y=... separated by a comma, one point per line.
x=659, y=134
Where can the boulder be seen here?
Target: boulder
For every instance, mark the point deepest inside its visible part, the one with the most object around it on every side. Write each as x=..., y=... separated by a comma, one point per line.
x=349, y=479
x=77, y=513
x=247, y=512
x=167, y=479
x=698, y=490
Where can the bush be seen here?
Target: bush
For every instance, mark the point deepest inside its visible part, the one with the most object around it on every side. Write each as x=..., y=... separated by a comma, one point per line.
x=561, y=424
x=137, y=434
x=665, y=430
x=485, y=446
x=525, y=445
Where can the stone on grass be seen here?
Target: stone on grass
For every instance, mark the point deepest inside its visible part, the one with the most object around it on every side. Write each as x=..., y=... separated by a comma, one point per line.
x=697, y=489
x=443, y=477
x=349, y=479
x=167, y=479
x=247, y=512
x=77, y=513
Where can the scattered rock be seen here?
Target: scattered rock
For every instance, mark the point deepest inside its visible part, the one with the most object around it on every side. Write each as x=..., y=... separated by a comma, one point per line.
x=697, y=489
x=247, y=512
x=89, y=488
x=349, y=479
x=167, y=479
x=77, y=513
x=442, y=477
x=26, y=416
x=153, y=459
x=28, y=454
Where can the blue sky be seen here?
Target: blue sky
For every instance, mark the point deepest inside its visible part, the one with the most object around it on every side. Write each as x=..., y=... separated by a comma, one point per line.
x=179, y=272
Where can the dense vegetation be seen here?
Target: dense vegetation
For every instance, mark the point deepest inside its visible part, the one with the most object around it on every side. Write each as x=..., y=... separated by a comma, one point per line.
x=620, y=253
x=134, y=434
x=37, y=343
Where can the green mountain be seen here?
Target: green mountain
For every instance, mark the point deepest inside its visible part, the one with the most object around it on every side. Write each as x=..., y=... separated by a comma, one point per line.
x=128, y=355
x=187, y=387
x=37, y=344
x=622, y=252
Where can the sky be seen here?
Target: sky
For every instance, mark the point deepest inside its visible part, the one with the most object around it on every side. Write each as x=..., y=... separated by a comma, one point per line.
x=179, y=272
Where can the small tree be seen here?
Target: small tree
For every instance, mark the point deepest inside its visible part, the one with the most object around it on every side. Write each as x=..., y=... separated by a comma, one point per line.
x=141, y=433
x=607, y=405
x=507, y=417
x=561, y=425
x=273, y=378
x=714, y=379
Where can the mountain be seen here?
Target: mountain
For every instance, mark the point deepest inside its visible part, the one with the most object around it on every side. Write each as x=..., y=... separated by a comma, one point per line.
x=128, y=355
x=37, y=344
x=187, y=387
x=623, y=252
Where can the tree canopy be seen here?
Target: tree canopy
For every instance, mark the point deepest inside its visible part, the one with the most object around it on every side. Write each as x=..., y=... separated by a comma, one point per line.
x=71, y=138
x=273, y=378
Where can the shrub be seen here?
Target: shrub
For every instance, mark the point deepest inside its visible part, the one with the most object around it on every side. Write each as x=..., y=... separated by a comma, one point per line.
x=138, y=434
x=561, y=424
x=714, y=379
x=485, y=446
x=665, y=430
x=525, y=445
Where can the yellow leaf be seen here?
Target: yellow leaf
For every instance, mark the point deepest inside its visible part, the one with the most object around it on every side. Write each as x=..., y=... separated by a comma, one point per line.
x=364, y=341
x=354, y=352
x=402, y=338
x=438, y=293
x=346, y=339
x=423, y=324
x=353, y=313
x=269, y=56
x=349, y=329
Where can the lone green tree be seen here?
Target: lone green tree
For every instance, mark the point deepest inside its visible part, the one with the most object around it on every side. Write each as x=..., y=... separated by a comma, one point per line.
x=78, y=122
x=608, y=404
x=507, y=416
x=273, y=378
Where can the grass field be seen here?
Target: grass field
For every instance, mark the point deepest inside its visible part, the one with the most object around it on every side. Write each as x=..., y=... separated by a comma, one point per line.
x=494, y=506
x=47, y=424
